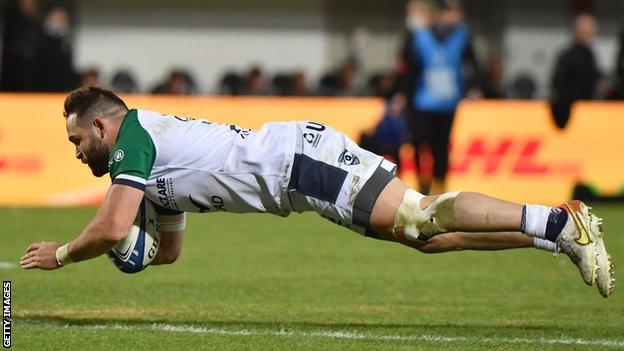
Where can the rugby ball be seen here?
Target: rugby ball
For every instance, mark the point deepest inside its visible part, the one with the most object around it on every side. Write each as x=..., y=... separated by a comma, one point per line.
x=137, y=250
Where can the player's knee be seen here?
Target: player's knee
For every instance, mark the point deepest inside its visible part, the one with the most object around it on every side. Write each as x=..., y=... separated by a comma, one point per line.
x=420, y=216
x=170, y=254
x=170, y=257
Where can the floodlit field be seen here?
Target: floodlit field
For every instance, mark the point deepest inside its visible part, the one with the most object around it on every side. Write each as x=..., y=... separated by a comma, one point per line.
x=259, y=282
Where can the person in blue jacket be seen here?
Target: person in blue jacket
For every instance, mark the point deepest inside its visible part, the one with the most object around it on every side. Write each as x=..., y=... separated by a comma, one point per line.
x=435, y=63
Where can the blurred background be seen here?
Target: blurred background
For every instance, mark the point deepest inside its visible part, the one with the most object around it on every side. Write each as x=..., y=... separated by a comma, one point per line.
x=296, y=47
x=523, y=70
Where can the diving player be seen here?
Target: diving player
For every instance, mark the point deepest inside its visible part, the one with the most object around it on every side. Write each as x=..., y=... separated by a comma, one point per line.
x=186, y=165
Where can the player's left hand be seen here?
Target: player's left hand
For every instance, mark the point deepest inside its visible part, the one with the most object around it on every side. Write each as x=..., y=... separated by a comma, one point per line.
x=40, y=255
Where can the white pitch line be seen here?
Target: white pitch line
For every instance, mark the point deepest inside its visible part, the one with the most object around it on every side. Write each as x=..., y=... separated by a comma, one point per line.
x=349, y=335
x=7, y=265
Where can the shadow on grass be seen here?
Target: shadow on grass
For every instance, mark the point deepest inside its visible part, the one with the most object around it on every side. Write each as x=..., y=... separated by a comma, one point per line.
x=484, y=330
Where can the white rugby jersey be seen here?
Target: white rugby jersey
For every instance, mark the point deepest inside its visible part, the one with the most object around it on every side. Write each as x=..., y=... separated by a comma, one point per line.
x=198, y=166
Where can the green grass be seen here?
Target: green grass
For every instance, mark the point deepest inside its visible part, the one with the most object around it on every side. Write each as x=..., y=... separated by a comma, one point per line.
x=256, y=282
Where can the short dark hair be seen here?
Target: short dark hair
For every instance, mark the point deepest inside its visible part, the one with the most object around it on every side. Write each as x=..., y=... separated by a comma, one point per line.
x=90, y=102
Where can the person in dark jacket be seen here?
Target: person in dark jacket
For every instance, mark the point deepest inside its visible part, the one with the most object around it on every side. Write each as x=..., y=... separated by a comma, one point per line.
x=37, y=54
x=20, y=40
x=618, y=91
x=433, y=76
x=576, y=75
x=55, y=67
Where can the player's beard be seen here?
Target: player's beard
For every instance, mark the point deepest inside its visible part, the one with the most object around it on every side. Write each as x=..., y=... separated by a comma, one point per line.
x=97, y=157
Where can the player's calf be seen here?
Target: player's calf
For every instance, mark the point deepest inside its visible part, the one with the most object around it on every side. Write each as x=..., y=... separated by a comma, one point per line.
x=442, y=243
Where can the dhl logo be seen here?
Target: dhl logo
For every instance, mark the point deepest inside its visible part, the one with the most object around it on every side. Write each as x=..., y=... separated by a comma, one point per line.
x=16, y=163
x=518, y=156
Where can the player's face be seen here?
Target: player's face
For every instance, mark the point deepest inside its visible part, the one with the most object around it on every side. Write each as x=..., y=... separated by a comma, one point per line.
x=90, y=148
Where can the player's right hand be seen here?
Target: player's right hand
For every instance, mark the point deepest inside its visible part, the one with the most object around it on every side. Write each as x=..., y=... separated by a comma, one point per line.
x=40, y=255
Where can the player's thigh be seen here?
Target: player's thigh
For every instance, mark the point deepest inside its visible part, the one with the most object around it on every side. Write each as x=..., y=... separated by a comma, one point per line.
x=333, y=176
x=386, y=206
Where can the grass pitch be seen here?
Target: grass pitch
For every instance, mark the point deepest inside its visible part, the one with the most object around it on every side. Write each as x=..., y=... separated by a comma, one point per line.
x=256, y=282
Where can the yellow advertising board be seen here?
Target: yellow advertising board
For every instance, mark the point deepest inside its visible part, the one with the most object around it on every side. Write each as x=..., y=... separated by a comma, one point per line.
x=507, y=149
x=37, y=163
x=513, y=150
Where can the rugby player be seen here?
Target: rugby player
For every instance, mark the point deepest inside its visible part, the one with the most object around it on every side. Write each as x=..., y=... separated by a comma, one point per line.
x=186, y=165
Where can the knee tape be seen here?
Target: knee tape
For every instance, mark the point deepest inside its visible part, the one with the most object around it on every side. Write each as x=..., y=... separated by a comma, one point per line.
x=414, y=223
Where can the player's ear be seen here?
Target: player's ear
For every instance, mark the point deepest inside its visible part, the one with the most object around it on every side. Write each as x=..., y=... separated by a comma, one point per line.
x=99, y=126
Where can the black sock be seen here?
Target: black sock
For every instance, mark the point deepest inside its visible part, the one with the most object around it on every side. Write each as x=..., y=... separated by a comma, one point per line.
x=556, y=221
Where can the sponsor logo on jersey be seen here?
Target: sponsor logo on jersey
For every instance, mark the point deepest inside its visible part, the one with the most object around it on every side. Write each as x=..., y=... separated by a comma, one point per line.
x=315, y=126
x=164, y=187
x=118, y=156
x=312, y=138
x=216, y=204
x=348, y=158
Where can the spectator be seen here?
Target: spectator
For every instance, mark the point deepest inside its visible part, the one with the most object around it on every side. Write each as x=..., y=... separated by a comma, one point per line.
x=329, y=85
x=231, y=84
x=300, y=84
x=20, y=41
x=523, y=87
x=282, y=84
x=343, y=82
x=433, y=78
x=418, y=15
x=347, y=77
x=90, y=77
x=123, y=82
x=618, y=92
x=55, y=70
x=493, y=84
x=179, y=82
x=255, y=83
x=382, y=85
x=576, y=75
x=290, y=84
x=390, y=133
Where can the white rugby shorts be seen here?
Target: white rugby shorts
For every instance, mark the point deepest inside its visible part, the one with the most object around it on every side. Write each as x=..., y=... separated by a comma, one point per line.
x=333, y=176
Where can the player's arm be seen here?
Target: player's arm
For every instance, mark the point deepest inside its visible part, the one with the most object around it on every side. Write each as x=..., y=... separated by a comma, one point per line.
x=171, y=238
x=110, y=225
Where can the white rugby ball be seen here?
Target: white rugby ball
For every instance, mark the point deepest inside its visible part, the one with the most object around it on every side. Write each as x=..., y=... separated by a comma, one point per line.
x=137, y=250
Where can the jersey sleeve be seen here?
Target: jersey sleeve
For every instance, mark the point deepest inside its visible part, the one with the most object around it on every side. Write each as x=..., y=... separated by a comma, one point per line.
x=132, y=158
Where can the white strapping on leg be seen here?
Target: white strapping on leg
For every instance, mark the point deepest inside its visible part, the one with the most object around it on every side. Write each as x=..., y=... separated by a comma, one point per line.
x=415, y=223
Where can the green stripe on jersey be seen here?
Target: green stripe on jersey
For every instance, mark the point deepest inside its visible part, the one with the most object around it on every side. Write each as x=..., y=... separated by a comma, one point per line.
x=134, y=151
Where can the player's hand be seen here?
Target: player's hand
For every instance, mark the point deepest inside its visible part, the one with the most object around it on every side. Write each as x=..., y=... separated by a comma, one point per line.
x=40, y=255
